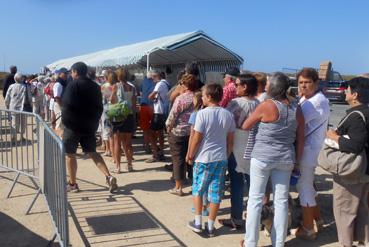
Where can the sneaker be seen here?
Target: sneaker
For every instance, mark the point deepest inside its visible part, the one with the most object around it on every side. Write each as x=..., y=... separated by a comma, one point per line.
x=72, y=187
x=209, y=233
x=112, y=182
x=176, y=192
x=194, y=227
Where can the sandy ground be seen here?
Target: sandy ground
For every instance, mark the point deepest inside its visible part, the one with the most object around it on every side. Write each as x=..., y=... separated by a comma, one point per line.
x=141, y=213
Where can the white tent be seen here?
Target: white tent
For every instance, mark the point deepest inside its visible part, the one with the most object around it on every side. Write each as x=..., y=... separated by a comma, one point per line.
x=173, y=51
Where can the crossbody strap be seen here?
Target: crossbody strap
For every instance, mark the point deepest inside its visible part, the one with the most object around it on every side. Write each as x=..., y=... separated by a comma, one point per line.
x=358, y=112
x=320, y=125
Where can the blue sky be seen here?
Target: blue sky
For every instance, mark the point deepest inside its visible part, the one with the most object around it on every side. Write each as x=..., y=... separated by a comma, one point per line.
x=269, y=35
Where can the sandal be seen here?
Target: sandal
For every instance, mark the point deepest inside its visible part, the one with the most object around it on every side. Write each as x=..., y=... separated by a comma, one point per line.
x=107, y=154
x=176, y=192
x=304, y=233
x=151, y=160
x=229, y=223
x=116, y=171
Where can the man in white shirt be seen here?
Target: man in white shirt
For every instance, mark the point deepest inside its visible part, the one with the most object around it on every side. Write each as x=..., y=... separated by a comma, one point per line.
x=59, y=87
x=161, y=106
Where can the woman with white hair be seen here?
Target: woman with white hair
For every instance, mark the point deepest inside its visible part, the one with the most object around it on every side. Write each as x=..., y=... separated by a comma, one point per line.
x=17, y=98
x=281, y=125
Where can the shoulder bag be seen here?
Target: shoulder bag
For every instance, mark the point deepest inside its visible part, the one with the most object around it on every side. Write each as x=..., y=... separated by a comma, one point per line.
x=342, y=164
x=119, y=111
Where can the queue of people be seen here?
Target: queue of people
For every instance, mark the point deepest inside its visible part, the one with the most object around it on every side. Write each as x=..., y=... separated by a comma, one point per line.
x=253, y=127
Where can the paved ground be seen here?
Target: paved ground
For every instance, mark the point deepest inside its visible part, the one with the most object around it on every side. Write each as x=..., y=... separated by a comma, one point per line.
x=142, y=213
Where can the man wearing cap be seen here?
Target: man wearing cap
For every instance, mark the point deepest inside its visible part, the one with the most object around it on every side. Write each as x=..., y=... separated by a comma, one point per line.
x=59, y=86
x=9, y=79
x=229, y=89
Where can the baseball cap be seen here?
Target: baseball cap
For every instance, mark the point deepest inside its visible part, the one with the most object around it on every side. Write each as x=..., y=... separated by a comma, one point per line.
x=62, y=70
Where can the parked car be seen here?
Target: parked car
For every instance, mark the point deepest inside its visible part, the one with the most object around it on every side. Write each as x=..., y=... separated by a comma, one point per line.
x=334, y=90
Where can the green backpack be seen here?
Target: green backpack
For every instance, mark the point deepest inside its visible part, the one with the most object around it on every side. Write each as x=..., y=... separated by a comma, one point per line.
x=118, y=112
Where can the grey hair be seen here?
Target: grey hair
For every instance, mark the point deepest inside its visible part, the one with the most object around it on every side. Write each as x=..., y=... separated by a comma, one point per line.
x=278, y=86
x=18, y=77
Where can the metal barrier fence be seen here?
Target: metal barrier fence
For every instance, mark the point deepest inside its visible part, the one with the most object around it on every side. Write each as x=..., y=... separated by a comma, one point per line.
x=30, y=148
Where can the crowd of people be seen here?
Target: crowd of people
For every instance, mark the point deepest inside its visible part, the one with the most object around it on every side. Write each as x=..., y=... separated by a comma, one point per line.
x=253, y=128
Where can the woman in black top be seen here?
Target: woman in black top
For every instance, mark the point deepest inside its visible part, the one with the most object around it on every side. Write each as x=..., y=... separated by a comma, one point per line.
x=350, y=197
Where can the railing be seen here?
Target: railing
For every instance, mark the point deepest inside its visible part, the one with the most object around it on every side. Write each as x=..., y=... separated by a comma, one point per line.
x=30, y=148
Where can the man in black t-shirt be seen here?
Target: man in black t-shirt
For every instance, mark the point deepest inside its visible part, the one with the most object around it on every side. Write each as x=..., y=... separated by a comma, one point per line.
x=81, y=111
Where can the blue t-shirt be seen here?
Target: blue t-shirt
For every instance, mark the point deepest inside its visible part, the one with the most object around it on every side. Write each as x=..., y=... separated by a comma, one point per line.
x=147, y=87
x=192, y=118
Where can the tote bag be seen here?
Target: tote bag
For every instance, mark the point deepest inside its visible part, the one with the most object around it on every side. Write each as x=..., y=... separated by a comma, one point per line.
x=345, y=165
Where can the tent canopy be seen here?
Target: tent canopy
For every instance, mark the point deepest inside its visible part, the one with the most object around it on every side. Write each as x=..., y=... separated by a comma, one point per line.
x=169, y=50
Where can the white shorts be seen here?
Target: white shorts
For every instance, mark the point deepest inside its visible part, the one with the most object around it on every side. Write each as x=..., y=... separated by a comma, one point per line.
x=305, y=186
x=51, y=105
x=58, y=122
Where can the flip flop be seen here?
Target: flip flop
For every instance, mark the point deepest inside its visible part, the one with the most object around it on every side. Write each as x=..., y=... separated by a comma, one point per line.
x=116, y=171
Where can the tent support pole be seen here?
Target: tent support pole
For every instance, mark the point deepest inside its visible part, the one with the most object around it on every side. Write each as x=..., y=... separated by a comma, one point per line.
x=147, y=62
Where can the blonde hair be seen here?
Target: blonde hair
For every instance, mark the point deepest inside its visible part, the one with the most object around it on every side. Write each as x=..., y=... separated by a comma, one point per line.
x=122, y=74
x=260, y=77
x=112, y=77
x=198, y=96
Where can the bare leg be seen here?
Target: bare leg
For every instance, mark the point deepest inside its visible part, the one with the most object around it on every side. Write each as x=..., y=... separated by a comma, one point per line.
x=127, y=147
x=111, y=144
x=100, y=163
x=161, y=140
x=117, y=150
x=197, y=202
x=154, y=146
x=146, y=137
x=179, y=184
x=214, y=207
x=71, y=167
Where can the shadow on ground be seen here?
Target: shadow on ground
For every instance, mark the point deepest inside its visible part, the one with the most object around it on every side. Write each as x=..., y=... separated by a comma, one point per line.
x=24, y=237
x=104, y=219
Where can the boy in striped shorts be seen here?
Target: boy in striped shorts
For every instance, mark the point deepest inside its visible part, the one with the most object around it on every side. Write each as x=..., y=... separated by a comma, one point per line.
x=209, y=149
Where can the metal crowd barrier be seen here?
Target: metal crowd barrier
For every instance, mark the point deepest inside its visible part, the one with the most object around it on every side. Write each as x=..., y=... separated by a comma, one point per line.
x=30, y=148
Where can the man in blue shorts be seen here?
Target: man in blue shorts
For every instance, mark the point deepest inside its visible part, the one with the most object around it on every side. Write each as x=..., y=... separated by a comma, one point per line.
x=210, y=148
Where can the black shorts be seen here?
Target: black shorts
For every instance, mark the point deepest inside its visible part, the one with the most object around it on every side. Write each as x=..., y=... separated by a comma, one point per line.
x=158, y=122
x=72, y=138
x=127, y=126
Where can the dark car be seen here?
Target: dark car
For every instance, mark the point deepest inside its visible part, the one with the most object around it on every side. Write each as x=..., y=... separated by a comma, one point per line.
x=334, y=90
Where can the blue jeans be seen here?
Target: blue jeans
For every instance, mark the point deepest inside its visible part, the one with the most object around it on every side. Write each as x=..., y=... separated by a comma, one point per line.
x=280, y=177
x=237, y=189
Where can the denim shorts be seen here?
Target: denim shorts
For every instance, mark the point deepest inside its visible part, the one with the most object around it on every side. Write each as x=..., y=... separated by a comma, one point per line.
x=209, y=177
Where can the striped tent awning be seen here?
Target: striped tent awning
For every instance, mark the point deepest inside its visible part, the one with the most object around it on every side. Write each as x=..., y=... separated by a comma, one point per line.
x=170, y=50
